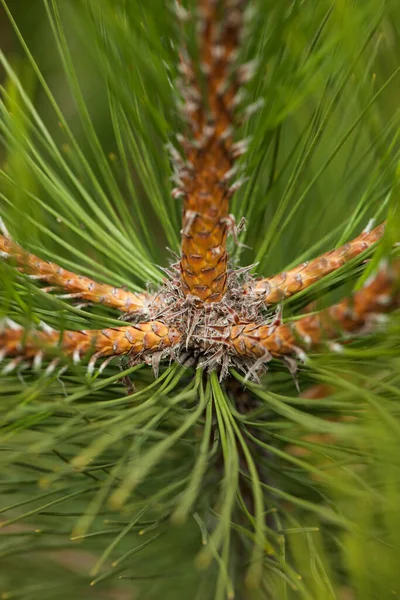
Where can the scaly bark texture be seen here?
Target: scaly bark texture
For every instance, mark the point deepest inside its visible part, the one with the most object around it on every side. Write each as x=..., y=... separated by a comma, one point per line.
x=354, y=315
x=132, y=340
x=209, y=152
x=291, y=282
x=75, y=286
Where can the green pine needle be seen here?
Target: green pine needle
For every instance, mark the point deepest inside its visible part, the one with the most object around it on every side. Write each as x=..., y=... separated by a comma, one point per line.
x=124, y=484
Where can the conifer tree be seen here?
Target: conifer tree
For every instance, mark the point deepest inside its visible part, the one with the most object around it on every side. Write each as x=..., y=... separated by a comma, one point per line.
x=199, y=292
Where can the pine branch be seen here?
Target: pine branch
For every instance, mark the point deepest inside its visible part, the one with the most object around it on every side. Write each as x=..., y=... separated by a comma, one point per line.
x=204, y=174
x=70, y=285
x=187, y=445
x=356, y=315
x=137, y=341
x=279, y=287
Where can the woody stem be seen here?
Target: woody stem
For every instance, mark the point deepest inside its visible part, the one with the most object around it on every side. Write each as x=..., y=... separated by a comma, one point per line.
x=206, y=168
